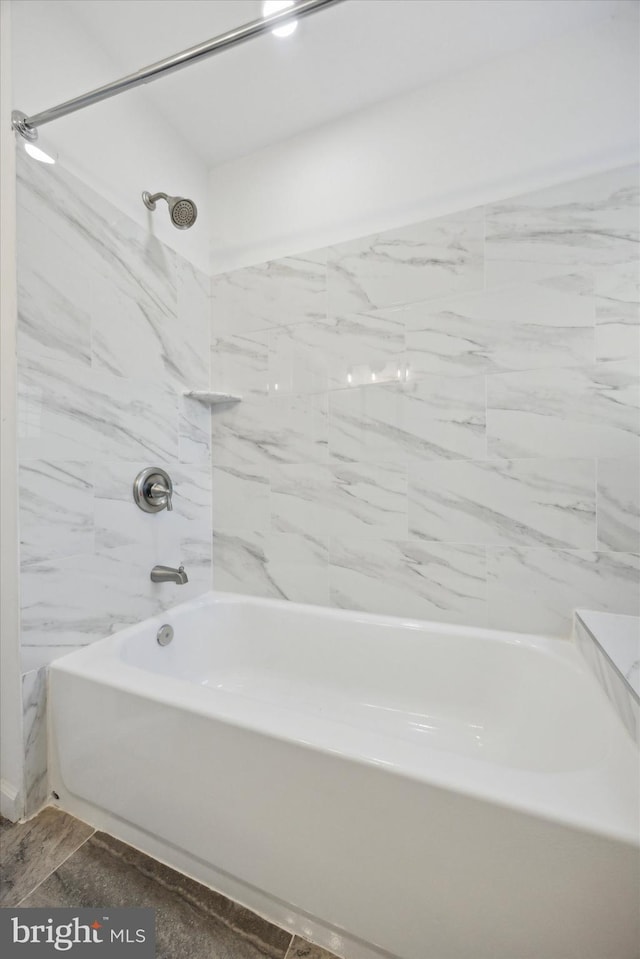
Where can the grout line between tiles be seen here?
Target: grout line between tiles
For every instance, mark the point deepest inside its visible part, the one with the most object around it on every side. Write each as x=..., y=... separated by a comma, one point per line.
x=286, y=955
x=596, y=497
x=61, y=863
x=484, y=248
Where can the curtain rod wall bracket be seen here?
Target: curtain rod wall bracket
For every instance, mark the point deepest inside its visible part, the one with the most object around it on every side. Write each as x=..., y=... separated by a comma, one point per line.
x=18, y=122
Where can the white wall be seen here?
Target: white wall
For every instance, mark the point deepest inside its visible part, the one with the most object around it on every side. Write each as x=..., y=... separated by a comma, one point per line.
x=119, y=147
x=556, y=112
x=11, y=757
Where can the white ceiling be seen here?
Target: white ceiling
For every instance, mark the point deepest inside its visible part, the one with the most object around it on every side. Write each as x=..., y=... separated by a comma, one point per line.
x=339, y=60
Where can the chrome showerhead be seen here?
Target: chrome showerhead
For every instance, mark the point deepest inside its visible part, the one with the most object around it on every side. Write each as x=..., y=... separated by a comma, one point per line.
x=183, y=212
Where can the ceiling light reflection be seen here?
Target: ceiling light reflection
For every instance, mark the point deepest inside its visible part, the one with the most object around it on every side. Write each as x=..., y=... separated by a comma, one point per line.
x=275, y=6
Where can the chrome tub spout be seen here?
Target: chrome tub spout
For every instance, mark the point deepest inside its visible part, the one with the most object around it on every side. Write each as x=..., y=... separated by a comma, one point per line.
x=167, y=574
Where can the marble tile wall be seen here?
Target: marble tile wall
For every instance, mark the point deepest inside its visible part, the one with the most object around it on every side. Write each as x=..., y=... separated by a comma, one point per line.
x=613, y=676
x=440, y=421
x=113, y=328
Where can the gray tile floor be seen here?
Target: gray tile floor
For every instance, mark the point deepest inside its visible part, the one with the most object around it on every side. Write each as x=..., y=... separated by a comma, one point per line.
x=56, y=860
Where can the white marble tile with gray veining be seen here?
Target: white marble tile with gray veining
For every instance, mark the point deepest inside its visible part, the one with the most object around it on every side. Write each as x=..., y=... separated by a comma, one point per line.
x=67, y=412
x=121, y=523
x=191, y=338
x=415, y=262
x=34, y=707
x=300, y=582
x=301, y=282
x=617, y=289
x=618, y=637
x=192, y=501
x=240, y=303
x=276, y=565
x=632, y=675
x=243, y=564
x=299, y=498
x=296, y=362
x=622, y=699
x=310, y=504
x=518, y=328
x=194, y=431
x=537, y=590
x=168, y=345
x=134, y=341
x=101, y=298
x=78, y=599
x=617, y=303
x=93, y=232
x=56, y=509
x=441, y=582
x=297, y=547
x=541, y=502
x=113, y=477
x=276, y=293
x=239, y=364
x=357, y=499
x=51, y=286
x=619, y=504
x=127, y=283
x=240, y=500
x=577, y=226
x=585, y=411
x=125, y=324
x=367, y=500
x=196, y=556
x=298, y=565
x=118, y=524
x=240, y=565
x=436, y=418
x=579, y=283
x=50, y=322
x=618, y=345
x=302, y=424
x=285, y=429
x=443, y=418
x=244, y=437
x=79, y=217
x=337, y=352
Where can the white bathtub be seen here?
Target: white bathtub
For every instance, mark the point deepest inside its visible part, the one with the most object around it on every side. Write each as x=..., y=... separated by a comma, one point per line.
x=383, y=786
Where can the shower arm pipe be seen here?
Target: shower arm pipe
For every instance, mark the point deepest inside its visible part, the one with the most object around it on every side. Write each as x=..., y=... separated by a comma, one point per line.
x=27, y=126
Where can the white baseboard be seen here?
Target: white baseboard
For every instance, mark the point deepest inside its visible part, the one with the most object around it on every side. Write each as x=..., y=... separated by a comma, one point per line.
x=10, y=801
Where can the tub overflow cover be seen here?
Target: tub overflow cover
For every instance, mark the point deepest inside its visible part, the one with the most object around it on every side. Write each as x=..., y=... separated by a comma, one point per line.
x=165, y=634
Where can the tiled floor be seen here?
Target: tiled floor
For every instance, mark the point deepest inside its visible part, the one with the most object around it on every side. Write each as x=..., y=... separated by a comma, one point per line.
x=55, y=860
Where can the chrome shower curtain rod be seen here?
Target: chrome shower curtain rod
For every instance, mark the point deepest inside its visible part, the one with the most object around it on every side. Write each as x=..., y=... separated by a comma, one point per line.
x=27, y=126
